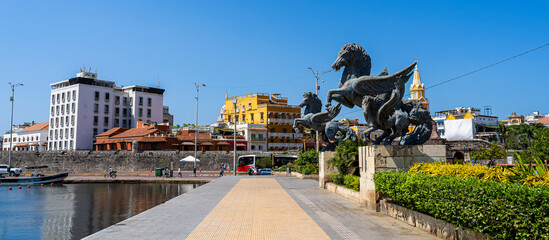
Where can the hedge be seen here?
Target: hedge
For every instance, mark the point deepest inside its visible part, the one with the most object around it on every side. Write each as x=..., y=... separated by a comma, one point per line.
x=348, y=181
x=499, y=209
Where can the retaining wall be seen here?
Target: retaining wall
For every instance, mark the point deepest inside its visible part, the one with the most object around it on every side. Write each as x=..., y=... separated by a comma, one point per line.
x=100, y=161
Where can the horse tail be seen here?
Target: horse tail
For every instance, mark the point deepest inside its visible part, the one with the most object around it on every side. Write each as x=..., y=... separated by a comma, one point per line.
x=388, y=108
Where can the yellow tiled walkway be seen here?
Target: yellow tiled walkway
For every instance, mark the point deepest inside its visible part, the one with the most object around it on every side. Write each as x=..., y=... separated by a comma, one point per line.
x=257, y=209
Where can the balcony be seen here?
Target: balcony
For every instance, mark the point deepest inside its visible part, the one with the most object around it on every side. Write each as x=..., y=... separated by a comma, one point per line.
x=286, y=135
x=286, y=145
x=279, y=121
x=258, y=139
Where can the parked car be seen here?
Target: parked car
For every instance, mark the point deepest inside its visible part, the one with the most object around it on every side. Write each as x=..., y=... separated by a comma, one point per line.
x=13, y=171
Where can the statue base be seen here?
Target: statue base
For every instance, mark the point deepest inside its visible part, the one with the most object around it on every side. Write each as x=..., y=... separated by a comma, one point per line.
x=378, y=158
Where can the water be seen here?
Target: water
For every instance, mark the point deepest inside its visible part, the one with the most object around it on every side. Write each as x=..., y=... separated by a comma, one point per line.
x=73, y=211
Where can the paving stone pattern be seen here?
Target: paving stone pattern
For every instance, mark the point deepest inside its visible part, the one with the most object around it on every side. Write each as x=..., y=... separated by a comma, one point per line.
x=261, y=207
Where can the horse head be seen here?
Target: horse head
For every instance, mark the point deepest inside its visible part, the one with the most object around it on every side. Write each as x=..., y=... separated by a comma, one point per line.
x=311, y=102
x=355, y=60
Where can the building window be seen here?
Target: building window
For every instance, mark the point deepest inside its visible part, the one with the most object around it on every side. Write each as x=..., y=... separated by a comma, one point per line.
x=69, y=96
x=124, y=112
x=95, y=108
x=116, y=112
x=149, y=102
x=116, y=100
x=72, y=120
x=66, y=133
x=57, y=110
x=52, y=111
x=52, y=99
x=96, y=96
x=252, y=117
x=124, y=123
x=62, y=97
x=106, y=109
x=107, y=97
x=73, y=94
x=72, y=133
x=106, y=121
x=125, y=101
x=94, y=132
x=67, y=120
x=148, y=113
x=140, y=101
x=104, y=130
x=73, y=108
x=129, y=123
x=116, y=122
x=140, y=112
x=236, y=118
x=95, y=120
x=62, y=109
x=261, y=116
x=57, y=96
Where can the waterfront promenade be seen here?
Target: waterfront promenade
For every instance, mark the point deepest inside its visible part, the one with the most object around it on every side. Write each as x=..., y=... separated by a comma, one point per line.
x=260, y=207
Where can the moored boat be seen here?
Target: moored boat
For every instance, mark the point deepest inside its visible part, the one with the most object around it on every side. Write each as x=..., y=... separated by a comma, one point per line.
x=33, y=180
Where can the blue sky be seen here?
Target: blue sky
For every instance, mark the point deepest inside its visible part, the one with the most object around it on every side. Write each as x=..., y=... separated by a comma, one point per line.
x=256, y=46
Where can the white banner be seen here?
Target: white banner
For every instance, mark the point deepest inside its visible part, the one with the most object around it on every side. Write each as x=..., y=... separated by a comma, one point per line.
x=459, y=129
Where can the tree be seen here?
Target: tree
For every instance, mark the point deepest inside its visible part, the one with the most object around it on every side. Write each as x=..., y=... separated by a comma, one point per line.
x=539, y=147
x=491, y=153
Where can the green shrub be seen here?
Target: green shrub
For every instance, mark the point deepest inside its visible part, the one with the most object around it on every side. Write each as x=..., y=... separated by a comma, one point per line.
x=283, y=168
x=337, y=178
x=346, y=157
x=348, y=181
x=352, y=182
x=307, y=162
x=499, y=209
x=264, y=162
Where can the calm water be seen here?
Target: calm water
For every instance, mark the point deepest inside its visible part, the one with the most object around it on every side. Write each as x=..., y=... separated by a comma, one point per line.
x=73, y=211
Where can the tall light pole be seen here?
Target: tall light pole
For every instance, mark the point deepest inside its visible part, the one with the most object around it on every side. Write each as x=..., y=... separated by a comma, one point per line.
x=196, y=127
x=13, y=86
x=316, y=74
x=234, y=136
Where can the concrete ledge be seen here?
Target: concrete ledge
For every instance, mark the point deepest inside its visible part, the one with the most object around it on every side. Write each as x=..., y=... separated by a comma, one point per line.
x=437, y=227
x=159, y=180
x=297, y=175
x=343, y=191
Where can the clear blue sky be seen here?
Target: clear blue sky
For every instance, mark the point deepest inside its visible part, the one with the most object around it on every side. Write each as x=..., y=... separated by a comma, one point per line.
x=256, y=46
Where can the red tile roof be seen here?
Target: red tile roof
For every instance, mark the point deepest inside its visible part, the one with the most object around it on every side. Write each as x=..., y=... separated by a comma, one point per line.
x=37, y=127
x=544, y=121
x=111, y=132
x=190, y=137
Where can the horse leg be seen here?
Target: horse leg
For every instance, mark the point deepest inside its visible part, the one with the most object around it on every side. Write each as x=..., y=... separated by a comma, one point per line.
x=339, y=96
x=366, y=134
x=382, y=136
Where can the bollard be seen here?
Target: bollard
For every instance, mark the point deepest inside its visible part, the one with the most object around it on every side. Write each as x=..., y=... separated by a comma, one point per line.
x=28, y=186
x=19, y=187
x=9, y=188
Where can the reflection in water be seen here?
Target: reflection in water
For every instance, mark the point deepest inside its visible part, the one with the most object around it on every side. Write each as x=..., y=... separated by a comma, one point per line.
x=74, y=211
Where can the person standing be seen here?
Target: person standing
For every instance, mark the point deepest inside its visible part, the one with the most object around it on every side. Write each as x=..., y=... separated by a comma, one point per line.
x=179, y=174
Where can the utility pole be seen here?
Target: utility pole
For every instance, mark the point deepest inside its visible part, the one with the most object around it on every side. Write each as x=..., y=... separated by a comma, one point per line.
x=234, y=136
x=317, y=74
x=196, y=127
x=13, y=86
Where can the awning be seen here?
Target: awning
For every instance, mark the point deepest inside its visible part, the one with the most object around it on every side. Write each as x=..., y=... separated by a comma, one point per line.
x=189, y=159
x=240, y=145
x=223, y=144
x=206, y=144
x=21, y=145
x=35, y=144
x=187, y=143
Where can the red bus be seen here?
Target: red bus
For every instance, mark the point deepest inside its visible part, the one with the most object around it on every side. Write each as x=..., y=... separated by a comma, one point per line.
x=246, y=163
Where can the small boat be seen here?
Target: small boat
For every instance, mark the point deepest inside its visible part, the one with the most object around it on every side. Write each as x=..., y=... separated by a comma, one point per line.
x=35, y=178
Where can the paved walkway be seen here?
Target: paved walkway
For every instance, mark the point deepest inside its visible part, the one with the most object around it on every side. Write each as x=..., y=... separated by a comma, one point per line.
x=260, y=208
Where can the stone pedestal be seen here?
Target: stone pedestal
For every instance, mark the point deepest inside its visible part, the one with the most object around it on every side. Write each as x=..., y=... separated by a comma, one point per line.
x=377, y=158
x=323, y=169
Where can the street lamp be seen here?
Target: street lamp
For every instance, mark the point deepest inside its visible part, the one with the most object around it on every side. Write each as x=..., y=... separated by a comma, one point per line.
x=234, y=137
x=13, y=86
x=316, y=92
x=196, y=127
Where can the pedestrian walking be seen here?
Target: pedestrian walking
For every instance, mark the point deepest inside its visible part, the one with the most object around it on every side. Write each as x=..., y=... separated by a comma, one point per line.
x=221, y=172
x=179, y=174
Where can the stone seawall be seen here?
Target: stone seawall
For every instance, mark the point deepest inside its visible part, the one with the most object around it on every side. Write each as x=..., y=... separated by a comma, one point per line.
x=100, y=161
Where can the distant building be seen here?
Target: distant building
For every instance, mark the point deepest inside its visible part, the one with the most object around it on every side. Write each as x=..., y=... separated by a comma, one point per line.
x=32, y=138
x=480, y=122
x=166, y=116
x=270, y=111
x=83, y=106
x=515, y=119
x=544, y=121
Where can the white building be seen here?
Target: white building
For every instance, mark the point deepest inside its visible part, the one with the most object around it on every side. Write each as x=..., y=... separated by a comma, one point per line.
x=84, y=106
x=33, y=138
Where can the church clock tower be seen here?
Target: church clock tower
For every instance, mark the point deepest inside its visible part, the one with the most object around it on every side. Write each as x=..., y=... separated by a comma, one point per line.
x=417, y=89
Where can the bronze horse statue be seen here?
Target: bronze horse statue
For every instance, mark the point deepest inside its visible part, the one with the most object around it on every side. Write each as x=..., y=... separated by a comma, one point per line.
x=378, y=96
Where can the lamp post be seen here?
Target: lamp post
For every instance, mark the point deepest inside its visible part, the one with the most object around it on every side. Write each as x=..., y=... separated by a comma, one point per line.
x=234, y=137
x=13, y=86
x=316, y=92
x=196, y=127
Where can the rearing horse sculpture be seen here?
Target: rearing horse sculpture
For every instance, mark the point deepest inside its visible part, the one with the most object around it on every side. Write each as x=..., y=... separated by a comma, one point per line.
x=378, y=96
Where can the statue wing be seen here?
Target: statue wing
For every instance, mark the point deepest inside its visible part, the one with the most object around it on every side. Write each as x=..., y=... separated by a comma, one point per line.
x=374, y=85
x=324, y=117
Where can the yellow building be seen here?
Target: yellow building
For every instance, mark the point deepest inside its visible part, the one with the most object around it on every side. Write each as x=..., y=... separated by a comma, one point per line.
x=271, y=111
x=417, y=89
